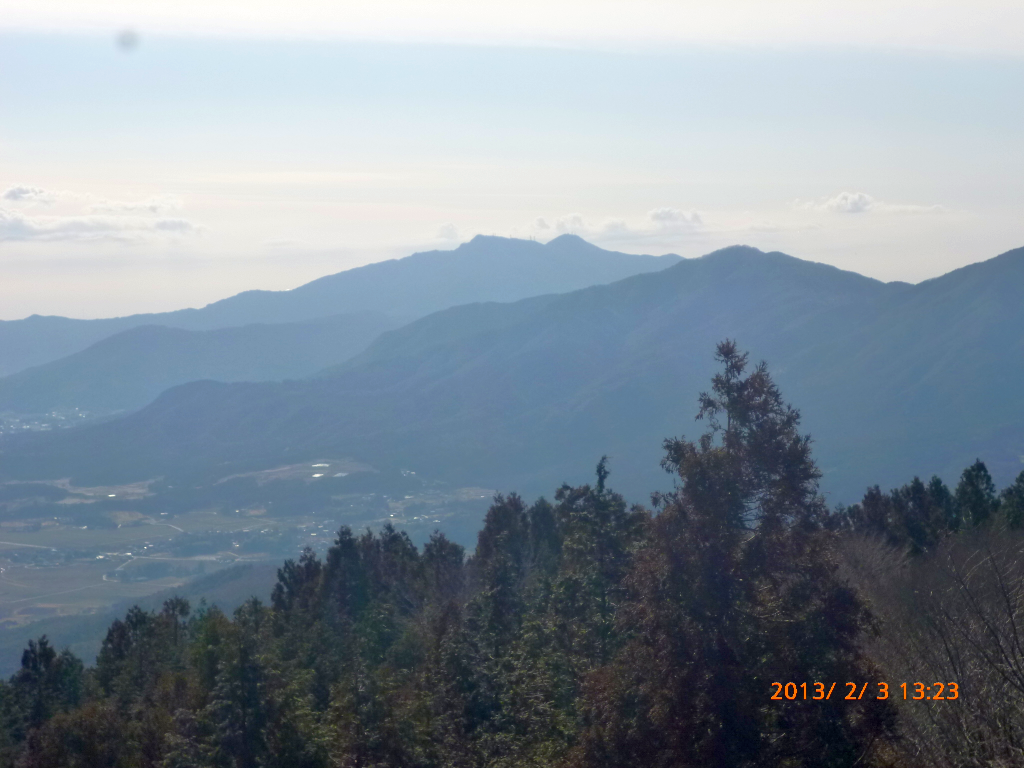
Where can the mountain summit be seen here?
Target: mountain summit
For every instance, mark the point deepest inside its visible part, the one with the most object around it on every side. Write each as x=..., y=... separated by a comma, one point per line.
x=484, y=269
x=531, y=393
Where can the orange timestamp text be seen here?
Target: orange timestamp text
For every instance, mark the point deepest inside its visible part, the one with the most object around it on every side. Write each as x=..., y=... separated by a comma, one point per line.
x=856, y=691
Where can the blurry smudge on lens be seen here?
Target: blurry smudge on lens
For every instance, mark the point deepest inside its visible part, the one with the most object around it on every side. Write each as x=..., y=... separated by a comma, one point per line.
x=127, y=40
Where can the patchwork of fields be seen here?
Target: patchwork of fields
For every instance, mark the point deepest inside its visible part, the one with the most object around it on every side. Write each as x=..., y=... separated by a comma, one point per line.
x=67, y=550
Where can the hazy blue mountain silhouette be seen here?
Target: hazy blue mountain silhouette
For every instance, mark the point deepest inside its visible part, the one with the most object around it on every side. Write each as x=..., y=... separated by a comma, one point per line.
x=484, y=269
x=127, y=370
x=893, y=380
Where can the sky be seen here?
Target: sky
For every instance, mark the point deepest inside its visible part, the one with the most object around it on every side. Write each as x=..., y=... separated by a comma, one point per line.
x=159, y=155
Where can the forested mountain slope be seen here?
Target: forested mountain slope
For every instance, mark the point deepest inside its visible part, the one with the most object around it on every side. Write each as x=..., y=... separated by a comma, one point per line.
x=583, y=631
x=892, y=380
x=484, y=269
x=127, y=370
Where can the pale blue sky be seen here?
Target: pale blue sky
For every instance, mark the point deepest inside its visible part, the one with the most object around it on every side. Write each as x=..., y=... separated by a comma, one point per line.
x=195, y=166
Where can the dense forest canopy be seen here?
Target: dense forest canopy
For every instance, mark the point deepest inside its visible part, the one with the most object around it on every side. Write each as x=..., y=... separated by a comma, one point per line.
x=583, y=631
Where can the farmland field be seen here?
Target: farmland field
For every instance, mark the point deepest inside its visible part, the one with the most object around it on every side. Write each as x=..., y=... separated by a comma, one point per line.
x=67, y=550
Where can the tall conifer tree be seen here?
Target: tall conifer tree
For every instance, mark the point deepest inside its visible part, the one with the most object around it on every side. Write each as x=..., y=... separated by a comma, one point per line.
x=735, y=589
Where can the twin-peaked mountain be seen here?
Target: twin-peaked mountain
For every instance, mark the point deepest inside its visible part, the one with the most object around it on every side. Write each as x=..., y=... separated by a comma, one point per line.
x=892, y=379
x=120, y=364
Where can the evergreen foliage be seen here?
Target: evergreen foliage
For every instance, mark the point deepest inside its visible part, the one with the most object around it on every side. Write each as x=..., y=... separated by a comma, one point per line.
x=976, y=499
x=735, y=587
x=1012, y=502
x=580, y=632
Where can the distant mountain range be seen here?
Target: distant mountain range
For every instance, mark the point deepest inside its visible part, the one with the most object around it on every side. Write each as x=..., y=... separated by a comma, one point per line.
x=127, y=370
x=484, y=269
x=893, y=380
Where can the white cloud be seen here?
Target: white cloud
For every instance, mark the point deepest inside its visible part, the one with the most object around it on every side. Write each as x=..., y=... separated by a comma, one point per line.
x=673, y=218
x=659, y=225
x=614, y=227
x=287, y=243
x=850, y=202
x=16, y=226
x=572, y=224
x=860, y=202
x=84, y=217
x=172, y=225
x=154, y=205
x=448, y=232
x=23, y=194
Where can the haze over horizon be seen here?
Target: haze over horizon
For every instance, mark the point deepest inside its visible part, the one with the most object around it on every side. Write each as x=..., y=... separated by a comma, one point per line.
x=165, y=156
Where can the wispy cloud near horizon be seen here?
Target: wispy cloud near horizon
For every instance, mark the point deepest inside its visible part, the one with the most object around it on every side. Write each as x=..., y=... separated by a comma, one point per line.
x=153, y=205
x=85, y=218
x=860, y=202
x=17, y=227
x=661, y=225
x=241, y=163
